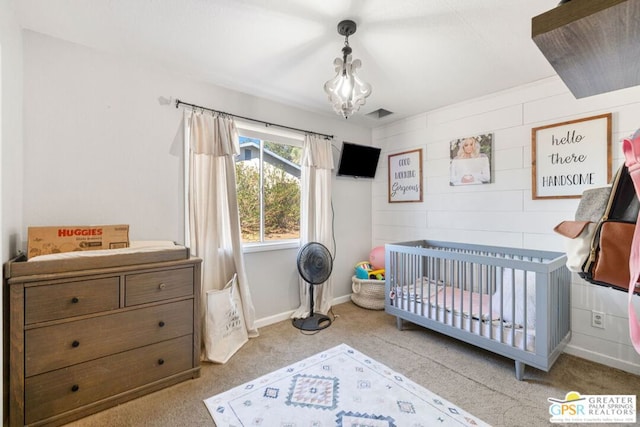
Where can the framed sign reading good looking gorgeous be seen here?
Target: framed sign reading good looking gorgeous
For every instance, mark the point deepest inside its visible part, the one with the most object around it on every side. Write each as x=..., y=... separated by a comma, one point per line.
x=569, y=157
x=405, y=176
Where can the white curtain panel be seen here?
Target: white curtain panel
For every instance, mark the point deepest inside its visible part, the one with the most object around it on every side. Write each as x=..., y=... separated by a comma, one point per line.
x=214, y=221
x=316, y=216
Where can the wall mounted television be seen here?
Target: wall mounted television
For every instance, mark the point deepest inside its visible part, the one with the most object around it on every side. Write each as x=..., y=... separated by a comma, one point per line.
x=360, y=161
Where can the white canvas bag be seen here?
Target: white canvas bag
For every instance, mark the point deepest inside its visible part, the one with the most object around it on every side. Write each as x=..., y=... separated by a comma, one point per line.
x=225, y=331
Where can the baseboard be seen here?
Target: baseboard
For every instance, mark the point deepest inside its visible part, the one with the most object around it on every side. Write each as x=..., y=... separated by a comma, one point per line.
x=602, y=359
x=342, y=299
x=266, y=321
x=270, y=320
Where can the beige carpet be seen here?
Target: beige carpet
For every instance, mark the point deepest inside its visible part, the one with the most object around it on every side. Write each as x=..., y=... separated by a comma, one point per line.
x=478, y=381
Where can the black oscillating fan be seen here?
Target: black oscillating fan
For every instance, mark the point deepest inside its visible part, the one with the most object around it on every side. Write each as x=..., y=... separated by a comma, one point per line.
x=314, y=265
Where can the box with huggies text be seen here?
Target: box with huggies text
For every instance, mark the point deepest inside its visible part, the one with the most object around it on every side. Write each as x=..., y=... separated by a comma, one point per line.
x=58, y=239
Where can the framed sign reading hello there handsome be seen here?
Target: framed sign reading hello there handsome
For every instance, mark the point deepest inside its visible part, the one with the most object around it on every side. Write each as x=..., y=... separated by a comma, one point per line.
x=569, y=157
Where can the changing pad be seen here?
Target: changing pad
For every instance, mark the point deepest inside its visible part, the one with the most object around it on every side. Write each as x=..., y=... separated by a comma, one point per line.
x=139, y=252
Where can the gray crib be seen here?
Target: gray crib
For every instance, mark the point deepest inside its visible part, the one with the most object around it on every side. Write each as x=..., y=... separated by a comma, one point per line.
x=514, y=302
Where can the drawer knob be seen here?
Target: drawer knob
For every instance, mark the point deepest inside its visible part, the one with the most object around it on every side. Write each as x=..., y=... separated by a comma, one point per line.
x=75, y=343
x=161, y=323
x=75, y=388
x=160, y=361
x=75, y=300
x=161, y=286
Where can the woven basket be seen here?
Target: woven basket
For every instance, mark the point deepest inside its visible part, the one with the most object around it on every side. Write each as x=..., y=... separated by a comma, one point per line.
x=368, y=293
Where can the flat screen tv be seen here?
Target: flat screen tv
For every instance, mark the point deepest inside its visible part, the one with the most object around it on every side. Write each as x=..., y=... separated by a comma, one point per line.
x=359, y=161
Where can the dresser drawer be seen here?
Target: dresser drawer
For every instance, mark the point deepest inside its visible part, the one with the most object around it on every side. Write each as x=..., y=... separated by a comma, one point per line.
x=59, y=301
x=142, y=288
x=57, y=346
x=65, y=389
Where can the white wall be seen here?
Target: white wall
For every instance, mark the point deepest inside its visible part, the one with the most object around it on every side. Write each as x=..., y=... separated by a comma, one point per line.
x=100, y=148
x=503, y=213
x=10, y=129
x=10, y=157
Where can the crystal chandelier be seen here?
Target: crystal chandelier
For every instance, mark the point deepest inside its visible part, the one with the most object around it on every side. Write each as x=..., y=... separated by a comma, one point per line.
x=347, y=92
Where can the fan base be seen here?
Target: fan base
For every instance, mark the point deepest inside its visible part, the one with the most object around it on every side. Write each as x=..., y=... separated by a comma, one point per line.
x=315, y=322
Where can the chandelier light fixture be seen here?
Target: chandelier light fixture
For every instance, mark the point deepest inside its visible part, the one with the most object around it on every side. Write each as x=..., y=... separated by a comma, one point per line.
x=347, y=92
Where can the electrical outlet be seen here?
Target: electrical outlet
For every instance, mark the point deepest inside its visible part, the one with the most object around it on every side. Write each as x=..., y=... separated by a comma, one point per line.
x=597, y=319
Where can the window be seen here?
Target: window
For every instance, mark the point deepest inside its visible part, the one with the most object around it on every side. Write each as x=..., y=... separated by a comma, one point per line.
x=268, y=184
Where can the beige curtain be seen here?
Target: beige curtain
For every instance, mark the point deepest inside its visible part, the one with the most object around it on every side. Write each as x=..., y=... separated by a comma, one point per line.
x=214, y=222
x=316, y=216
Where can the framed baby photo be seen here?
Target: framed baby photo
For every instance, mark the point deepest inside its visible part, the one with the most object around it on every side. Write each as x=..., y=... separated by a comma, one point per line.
x=569, y=157
x=405, y=176
x=471, y=160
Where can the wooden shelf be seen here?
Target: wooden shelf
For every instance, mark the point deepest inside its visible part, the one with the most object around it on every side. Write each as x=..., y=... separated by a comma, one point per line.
x=594, y=45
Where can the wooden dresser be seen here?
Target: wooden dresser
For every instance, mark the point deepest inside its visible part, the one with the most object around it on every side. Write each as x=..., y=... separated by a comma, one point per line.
x=85, y=339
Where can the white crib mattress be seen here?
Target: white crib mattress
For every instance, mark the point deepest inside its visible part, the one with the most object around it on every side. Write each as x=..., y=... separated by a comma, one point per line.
x=443, y=304
x=496, y=330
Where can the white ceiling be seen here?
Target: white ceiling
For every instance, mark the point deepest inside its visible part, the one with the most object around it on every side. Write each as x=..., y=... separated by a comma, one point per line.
x=417, y=54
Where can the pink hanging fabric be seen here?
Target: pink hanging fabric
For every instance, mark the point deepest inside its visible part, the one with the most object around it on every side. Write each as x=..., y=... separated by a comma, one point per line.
x=631, y=149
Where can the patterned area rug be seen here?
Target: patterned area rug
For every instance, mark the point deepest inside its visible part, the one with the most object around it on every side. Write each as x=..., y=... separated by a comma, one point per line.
x=338, y=387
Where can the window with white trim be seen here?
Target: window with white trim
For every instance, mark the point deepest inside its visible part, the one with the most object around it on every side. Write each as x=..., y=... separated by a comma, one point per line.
x=268, y=187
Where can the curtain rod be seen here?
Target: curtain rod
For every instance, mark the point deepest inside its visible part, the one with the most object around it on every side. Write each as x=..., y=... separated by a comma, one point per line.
x=178, y=102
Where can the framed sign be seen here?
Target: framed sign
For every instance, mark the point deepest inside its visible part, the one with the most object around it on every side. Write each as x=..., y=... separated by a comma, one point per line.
x=569, y=157
x=405, y=176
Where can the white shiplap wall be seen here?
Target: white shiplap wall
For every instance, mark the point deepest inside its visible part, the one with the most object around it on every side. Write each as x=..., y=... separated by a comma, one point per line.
x=503, y=213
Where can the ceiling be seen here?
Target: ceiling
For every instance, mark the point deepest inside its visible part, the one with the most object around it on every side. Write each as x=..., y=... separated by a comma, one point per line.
x=418, y=55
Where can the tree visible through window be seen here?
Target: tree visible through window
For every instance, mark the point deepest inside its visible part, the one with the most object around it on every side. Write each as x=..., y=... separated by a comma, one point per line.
x=268, y=184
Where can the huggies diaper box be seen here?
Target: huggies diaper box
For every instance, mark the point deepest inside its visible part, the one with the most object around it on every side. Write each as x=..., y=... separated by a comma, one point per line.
x=51, y=240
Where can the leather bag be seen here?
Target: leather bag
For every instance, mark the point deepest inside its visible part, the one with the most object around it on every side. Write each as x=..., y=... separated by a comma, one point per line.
x=612, y=255
x=608, y=260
